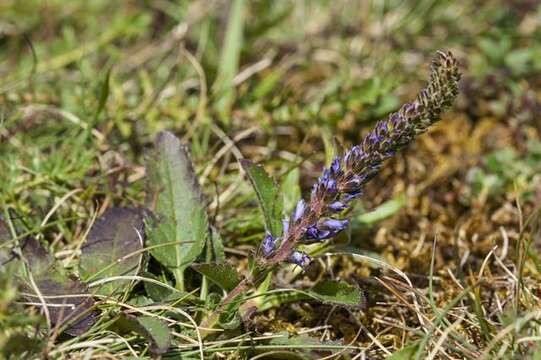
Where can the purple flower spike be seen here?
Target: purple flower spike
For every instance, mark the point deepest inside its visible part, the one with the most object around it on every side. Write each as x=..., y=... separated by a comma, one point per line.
x=338, y=206
x=268, y=245
x=345, y=178
x=300, y=259
x=299, y=210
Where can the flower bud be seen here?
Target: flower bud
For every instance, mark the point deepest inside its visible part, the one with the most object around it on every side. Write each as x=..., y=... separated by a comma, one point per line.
x=268, y=245
x=300, y=259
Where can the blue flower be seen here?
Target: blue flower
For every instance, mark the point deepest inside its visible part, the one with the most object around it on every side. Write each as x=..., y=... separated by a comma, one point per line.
x=314, y=233
x=285, y=225
x=352, y=196
x=268, y=244
x=299, y=258
x=338, y=206
x=335, y=165
x=352, y=185
x=335, y=225
x=299, y=210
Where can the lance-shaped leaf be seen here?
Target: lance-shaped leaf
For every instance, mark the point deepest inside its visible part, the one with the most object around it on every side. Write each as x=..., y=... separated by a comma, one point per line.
x=338, y=292
x=174, y=194
x=268, y=195
x=154, y=330
x=222, y=274
x=68, y=303
x=328, y=291
x=113, y=248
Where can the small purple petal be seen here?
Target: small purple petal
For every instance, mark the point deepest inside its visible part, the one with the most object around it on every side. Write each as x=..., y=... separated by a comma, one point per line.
x=352, y=154
x=352, y=196
x=325, y=234
x=300, y=259
x=312, y=232
x=325, y=176
x=335, y=225
x=352, y=185
x=299, y=210
x=335, y=165
x=382, y=127
x=331, y=186
x=285, y=225
x=373, y=139
x=338, y=206
x=268, y=244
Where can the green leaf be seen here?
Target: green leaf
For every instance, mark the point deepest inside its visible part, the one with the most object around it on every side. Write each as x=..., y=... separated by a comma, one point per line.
x=406, y=353
x=291, y=189
x=104, y=94
x=277, y=299
x=385, y=210
x=338, y=292
x=222, y=274
x=268, y=194
x=155, y=291
x=154, y=330
x=113, y=248
x=486, y=329
x=157, y=332
x=329, y=291
x=174, y=194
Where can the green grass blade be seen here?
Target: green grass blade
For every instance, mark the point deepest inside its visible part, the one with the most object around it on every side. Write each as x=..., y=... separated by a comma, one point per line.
x=229, y=64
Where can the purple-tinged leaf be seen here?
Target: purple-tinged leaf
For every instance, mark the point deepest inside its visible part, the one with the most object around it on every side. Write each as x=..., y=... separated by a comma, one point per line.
x=38, y=258
x=113, y=248
x=67, y=299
